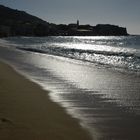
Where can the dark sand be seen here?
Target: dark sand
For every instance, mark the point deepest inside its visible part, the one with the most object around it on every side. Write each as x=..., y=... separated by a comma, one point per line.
x=26, y=112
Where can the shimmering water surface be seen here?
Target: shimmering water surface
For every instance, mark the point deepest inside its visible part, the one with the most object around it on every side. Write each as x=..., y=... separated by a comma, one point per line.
x=96, y=79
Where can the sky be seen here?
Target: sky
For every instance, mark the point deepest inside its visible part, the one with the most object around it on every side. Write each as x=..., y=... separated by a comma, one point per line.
x=124, y=13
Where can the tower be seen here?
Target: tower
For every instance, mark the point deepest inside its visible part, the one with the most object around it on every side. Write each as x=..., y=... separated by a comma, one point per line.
x=77, y=23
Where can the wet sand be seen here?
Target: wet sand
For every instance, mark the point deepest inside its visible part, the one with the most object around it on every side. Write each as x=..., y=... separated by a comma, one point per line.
x=104, y=100
x=26, y=112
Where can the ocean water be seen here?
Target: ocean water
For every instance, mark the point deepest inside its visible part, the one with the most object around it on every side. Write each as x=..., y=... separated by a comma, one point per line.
x=119, y=52
x=96, y=79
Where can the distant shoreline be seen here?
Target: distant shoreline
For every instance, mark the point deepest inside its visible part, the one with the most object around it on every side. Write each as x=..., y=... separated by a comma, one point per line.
x=19, y=23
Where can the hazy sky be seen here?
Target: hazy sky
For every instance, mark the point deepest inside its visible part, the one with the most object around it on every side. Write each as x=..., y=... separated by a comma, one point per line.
x=120, y=12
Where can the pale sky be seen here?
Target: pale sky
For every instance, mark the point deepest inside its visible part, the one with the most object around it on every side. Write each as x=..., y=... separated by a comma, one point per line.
x=124, y=13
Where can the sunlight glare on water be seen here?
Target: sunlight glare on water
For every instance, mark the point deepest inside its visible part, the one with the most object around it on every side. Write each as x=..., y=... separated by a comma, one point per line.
x=79, y=73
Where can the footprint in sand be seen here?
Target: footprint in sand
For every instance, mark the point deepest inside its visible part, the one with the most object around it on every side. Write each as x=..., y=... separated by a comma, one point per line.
x=5, y=120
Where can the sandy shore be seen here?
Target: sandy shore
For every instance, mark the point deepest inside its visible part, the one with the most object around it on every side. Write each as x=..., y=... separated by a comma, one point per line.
x=26, y=112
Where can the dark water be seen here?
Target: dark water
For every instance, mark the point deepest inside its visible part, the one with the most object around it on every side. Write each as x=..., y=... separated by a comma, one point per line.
x=96, y=79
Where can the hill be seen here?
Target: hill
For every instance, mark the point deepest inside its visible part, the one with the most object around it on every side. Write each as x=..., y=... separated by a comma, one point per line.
x=14, y=22
x=19, y=23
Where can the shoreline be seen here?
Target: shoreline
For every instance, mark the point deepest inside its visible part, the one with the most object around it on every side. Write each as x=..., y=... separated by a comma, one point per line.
x=26, y=112
x=101, y=98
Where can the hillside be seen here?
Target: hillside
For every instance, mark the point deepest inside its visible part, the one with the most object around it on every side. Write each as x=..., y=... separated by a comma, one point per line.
x=19, y=23
x=15, y=22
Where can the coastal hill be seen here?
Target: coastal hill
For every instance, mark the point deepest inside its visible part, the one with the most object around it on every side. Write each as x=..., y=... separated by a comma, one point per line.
x=19, y=23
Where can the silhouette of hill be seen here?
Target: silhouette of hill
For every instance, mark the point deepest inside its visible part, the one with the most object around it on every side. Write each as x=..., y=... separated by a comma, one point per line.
x=11, y=14
x=15, y=22
x=19, y=23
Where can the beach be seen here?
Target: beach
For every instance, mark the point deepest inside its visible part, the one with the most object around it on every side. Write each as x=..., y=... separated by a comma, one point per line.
x=103, y=97
x=26, y=112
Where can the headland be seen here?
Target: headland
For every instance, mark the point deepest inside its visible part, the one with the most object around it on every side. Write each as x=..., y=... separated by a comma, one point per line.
x=19, y=23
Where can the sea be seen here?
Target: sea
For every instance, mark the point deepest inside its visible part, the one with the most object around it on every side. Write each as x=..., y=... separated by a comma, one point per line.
x=96, y=79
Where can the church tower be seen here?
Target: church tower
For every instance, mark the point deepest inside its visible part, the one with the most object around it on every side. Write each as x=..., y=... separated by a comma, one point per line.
x=77, y=23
